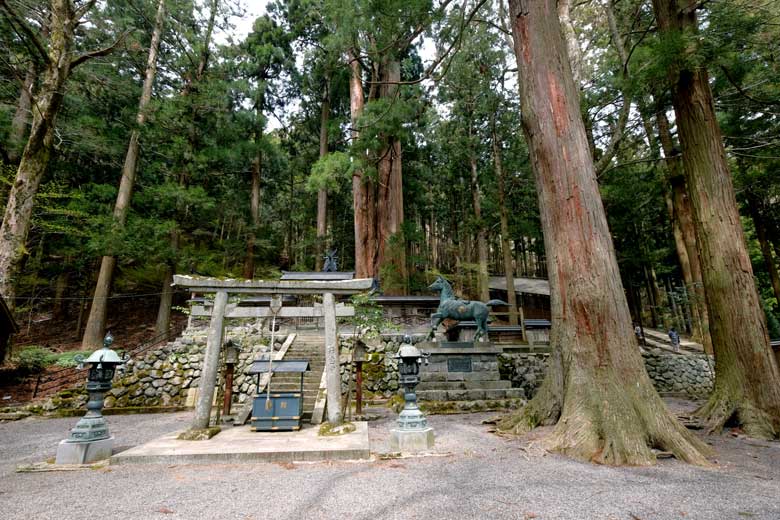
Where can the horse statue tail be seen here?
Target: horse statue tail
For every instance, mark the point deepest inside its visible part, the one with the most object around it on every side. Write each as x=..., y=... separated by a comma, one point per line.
x=492, y=303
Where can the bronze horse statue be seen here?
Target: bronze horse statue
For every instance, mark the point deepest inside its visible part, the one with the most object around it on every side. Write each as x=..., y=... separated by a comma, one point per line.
x=456, y=309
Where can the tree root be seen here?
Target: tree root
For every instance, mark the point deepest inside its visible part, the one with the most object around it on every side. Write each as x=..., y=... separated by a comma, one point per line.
x=622, y=429
x=543, y=410
x=719, y=410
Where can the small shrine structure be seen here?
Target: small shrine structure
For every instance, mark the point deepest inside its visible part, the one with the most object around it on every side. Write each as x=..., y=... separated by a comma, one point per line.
x=221, y=309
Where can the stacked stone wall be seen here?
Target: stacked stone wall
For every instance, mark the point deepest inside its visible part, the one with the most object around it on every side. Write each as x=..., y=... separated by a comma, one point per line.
x=380, y=371
x=689, y=375
x=166, y=377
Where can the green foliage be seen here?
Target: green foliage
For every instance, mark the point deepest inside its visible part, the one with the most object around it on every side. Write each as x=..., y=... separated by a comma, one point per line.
x=369, y=320
x=329, y=172
x=33, y=359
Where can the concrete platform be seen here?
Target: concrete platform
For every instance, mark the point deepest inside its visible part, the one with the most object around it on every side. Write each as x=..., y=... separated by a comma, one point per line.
x=239, y=444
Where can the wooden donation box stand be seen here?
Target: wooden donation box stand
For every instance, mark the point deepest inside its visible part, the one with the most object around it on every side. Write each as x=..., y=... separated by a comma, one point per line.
x=277, y=411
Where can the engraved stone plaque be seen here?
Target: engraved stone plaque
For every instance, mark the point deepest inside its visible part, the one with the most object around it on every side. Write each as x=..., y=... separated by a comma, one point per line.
x=459, y=364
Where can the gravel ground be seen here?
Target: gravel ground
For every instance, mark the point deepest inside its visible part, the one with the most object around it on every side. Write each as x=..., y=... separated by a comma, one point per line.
x=474, y=474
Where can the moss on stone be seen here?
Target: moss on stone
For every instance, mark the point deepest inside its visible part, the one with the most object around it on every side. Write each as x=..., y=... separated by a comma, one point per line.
x=202, y=434
x=329, y=430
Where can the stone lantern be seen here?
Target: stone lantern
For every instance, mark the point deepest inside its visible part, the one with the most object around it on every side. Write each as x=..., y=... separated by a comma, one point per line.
x=232, y=349
x=412, y=433
x=89, y=440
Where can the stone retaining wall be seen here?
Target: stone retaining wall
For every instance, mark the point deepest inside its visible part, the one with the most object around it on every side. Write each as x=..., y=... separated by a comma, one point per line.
x=671, y=373
x=168, y=376
x=380, y=371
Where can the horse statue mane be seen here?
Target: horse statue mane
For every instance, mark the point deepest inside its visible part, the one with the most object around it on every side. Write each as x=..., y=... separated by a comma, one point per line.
x=459, y=310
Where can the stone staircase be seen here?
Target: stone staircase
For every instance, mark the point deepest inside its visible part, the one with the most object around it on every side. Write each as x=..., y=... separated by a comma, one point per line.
x=310, y=347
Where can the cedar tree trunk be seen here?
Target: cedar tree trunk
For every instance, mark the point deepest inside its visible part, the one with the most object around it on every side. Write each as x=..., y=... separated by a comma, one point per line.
x=509, y=273
x=482, y=247
x=254, y=212
x=390, y=259
x=682, y=217
x=597, y=389
x=322, y=194
x=747, y=378
x=362, y=186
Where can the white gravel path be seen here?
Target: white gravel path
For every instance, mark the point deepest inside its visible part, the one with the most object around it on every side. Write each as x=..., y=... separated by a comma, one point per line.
x=475, y=475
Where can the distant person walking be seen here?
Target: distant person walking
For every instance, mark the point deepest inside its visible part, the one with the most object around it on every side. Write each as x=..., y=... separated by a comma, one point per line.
x=639, y=336
x=674, y=337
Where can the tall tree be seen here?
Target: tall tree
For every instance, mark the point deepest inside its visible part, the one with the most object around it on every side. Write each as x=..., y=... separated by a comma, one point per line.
x=59, y=55
x=747, y=377
x=96, y=323
x=270, y=55
x=597, y=391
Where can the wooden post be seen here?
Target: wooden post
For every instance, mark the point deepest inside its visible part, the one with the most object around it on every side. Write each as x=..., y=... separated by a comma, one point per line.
x=358, y=388
x=208, y=376
x=229, y=368
x=333, y=381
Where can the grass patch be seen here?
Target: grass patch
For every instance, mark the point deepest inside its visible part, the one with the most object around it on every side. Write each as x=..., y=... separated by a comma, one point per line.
x=35, y=359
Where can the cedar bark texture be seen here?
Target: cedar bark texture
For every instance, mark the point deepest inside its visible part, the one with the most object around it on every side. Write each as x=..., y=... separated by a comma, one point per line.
x=322, y=193
x=747, y=378
x=509, y=272
x=391, y=248
x=362, y=186
x=597, y=391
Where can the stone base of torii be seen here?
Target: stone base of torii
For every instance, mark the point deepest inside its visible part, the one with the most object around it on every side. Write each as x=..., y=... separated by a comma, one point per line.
x=220, y=310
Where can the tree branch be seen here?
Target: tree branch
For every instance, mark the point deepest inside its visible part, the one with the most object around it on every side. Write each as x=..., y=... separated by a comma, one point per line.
x=17, y=20
x=428, y=74
x=81, y=11
x=744, y=93
x=625, y=110
x=99, y=52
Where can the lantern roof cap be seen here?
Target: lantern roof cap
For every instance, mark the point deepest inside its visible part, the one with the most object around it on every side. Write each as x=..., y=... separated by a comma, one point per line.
x=105, y=354
x=409, y=351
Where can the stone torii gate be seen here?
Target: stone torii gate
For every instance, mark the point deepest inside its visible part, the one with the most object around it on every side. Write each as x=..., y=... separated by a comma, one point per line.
x=222, y=288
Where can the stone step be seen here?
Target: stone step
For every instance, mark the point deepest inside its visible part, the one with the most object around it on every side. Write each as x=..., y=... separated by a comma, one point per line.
x=447, y=407
x=464, y=385
x=470, y=395
x=293, y=387
x=483, y=375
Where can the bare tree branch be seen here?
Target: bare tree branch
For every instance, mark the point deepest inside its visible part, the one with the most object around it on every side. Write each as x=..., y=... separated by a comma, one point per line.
x=29, y=35
x=625, y=110
x=81, y=11
x=428, y=74
x=99, y=52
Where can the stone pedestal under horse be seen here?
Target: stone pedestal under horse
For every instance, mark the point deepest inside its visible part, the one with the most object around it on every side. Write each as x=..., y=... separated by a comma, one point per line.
x=456, y=309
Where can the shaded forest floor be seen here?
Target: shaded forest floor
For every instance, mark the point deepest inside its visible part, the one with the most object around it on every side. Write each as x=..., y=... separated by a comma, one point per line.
x=131, y=322
x=473, y=474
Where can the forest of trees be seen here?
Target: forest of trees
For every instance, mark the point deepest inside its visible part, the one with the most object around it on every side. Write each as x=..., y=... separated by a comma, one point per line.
x=629, y=150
